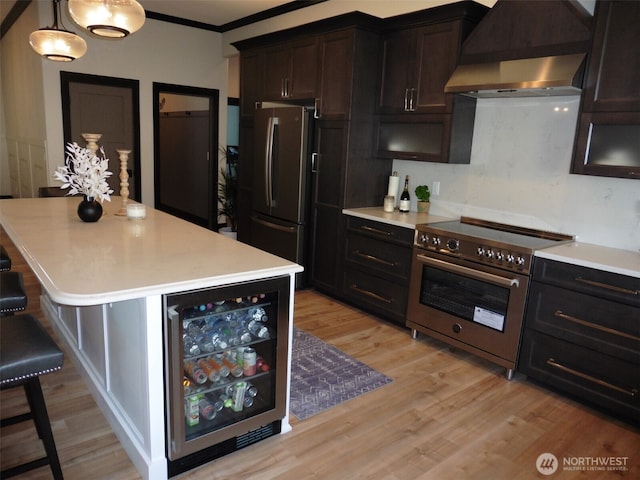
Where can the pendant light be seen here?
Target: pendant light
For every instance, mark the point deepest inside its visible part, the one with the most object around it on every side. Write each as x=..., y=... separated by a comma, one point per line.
x=108, y=18
x=55, y=43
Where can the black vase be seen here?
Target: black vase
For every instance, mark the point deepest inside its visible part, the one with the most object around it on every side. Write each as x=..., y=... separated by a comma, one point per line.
x=89, y=210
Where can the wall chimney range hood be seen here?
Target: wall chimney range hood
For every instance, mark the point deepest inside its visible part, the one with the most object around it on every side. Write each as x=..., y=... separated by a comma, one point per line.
x=529, y=77
x=525, y=48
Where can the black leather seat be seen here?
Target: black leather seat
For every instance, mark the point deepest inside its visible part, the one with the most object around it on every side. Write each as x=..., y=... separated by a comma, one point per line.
x=26, y=352
x=12, y=295
x=5, y=260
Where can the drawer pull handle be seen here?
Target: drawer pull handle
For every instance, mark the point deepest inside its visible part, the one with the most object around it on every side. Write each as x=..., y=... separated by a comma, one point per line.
x=553, y=363
x=376, y=230
x=370, y=294
x=626, y=291
x=373, y=258
x=564, y=316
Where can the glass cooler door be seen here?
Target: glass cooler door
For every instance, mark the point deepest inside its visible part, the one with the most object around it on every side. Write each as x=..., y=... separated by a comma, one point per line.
x=226, y=365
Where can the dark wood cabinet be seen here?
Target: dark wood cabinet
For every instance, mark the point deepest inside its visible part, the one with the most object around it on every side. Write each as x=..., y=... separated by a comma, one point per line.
x=346, y=173
x=582, y=336
x=417, y=63
x=377, y=267
x=291, y=70
x=609, y=123
x=420, y=52
x=336, y=81
x=252, y=67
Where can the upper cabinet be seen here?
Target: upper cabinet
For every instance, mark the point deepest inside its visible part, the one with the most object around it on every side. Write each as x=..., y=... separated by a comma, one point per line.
x=291, y=70
x=417, y=63
x=609, y=122
x=417, y=119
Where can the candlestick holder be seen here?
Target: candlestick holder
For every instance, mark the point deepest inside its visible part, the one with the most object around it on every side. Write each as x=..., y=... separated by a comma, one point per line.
x=124, y=181
x=92, y=140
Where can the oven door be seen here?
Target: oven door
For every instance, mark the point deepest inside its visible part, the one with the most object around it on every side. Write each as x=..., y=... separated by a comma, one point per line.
x=472, y=306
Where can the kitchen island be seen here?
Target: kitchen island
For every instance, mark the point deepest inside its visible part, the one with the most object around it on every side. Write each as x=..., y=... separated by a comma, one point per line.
x=102, y=288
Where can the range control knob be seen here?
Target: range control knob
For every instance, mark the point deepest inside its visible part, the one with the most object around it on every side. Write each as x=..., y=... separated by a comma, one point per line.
x=519, y=260
x=488, y=254
x=480, y=251
x=453, y=245
x=435, y=241
x=510, y=258
x=423, y=238
x=499, y=256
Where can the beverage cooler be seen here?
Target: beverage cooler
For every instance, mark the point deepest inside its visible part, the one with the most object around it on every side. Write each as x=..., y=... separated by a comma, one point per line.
x=226, y=369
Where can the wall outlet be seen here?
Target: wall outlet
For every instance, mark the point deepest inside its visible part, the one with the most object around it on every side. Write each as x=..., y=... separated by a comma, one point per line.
x=435, y=189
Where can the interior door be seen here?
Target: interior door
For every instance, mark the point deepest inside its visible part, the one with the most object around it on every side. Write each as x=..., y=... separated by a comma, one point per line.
x=108, y=106
x=186, y=152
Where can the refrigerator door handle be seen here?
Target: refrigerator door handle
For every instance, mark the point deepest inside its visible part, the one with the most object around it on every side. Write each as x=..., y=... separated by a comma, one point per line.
x=275, y=226
x=268, y=161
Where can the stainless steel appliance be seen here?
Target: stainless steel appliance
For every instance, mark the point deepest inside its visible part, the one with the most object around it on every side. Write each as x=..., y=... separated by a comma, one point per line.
x=281, y=182
x=226, y=369
x=469, y=281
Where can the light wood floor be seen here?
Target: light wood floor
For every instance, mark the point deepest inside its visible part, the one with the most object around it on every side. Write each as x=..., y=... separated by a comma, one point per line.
x=447, y=415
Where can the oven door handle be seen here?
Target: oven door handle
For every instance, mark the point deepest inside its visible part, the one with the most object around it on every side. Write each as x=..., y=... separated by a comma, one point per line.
x=470, y=272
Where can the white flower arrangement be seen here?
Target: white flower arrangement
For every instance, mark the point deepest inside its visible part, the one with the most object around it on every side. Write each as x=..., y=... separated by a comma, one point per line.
x=84, y=172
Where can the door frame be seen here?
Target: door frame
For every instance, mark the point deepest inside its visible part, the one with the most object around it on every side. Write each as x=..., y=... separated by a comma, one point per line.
x=214, y=104
x=66, y=78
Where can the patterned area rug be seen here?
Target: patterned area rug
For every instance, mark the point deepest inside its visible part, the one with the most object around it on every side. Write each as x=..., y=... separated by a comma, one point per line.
x=323, y=376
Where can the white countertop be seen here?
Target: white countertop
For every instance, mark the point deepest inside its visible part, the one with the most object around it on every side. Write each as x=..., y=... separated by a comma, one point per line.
x=624, y=262
x=119, y=259
x=407, y=220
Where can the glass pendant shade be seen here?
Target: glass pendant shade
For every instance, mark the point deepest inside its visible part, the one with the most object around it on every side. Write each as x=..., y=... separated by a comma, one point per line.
x=108, y=18
x=55, y=43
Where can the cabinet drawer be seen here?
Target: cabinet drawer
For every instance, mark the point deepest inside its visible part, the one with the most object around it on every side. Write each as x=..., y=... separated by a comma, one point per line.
x=383, y=231
x=612, y=286
x=379, y=256
x=608, y=327
x=382, y=297
x=584, y=373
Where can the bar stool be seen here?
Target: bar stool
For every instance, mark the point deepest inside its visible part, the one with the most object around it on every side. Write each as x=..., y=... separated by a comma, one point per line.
x=12, y=295
x=26, y=352
x=5, y=260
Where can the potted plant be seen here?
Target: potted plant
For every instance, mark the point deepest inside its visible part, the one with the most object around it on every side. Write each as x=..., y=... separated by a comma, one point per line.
x=228, y=198
x=423, y=194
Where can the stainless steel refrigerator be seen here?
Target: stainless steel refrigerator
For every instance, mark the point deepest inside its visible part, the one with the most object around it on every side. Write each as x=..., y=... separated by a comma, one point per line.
x=281, y=182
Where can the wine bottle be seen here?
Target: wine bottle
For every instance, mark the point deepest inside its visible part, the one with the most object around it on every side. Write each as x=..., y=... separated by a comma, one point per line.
x=405, y=198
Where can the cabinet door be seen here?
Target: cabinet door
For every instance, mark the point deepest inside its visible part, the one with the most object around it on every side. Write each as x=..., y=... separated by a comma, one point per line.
x=276, y=72
x=303, y=80
x=607, y=145
x=252, y=68
x=437, y=52
x=613, y=76
x=398, y=50
x=291, y=70
x=327, y=206
x=336, y=60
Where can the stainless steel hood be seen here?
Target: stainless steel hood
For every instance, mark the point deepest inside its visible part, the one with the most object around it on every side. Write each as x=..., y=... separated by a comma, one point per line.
x=529, y=77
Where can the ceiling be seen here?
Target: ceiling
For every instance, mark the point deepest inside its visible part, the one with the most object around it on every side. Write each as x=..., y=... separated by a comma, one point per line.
x=214, y=12
x=217, y=15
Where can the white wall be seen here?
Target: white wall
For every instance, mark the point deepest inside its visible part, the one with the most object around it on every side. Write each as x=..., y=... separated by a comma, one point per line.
x=159, y=52
x=519, y=173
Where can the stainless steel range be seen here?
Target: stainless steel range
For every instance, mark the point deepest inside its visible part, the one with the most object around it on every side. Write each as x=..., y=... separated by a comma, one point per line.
x=469, y=282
